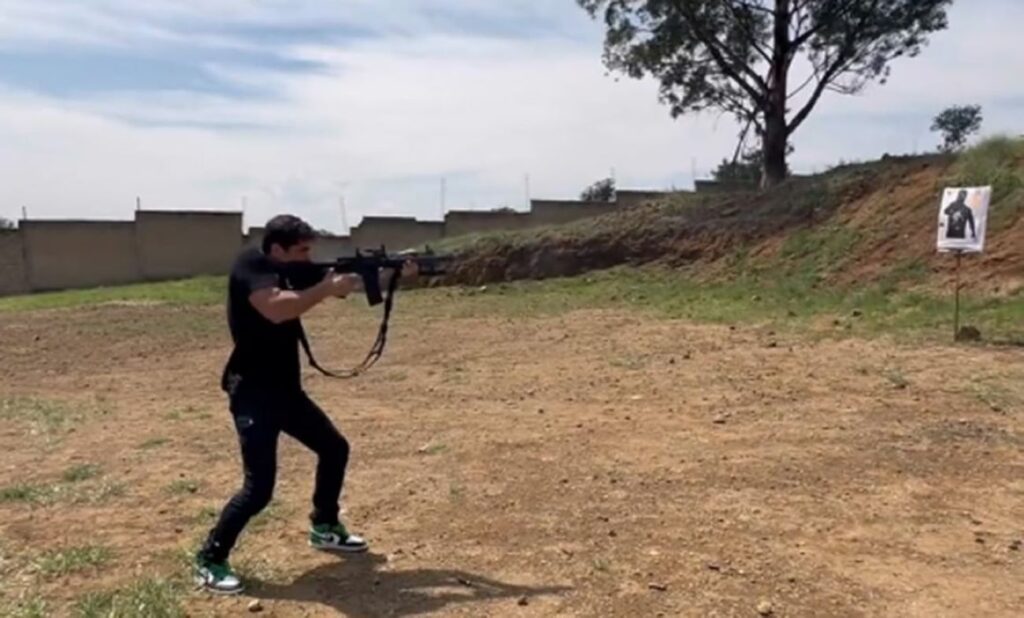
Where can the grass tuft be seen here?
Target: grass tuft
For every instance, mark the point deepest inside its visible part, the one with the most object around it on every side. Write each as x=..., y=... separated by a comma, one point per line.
x=59, y=562
x=81, y=472
x=151, y=597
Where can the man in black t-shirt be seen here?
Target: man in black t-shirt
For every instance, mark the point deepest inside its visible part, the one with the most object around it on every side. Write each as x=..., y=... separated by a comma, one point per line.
x=262, y=378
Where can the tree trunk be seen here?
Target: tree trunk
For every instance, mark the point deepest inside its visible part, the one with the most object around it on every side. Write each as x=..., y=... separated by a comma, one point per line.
x=774, y=149
x=776, y=133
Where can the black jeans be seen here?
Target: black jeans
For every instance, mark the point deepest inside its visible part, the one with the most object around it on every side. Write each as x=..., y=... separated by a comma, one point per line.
x=259, y=417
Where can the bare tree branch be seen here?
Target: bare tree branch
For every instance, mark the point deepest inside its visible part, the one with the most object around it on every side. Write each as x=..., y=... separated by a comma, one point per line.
x=718, y=50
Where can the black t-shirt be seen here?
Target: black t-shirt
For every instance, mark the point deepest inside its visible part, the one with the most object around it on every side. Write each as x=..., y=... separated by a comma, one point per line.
x=264, y=354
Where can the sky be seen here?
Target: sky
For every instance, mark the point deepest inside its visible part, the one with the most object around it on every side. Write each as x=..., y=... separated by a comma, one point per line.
x=338, y=109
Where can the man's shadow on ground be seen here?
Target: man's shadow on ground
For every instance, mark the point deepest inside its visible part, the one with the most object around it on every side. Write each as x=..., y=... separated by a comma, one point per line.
x=354, y=586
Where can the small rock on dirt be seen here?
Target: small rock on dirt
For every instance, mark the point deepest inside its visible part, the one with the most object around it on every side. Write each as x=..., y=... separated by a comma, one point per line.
x=764, y=608
x=1015, y=545
x=658, y=587
x=968, y=333
x=523, y=601
x=255, y=606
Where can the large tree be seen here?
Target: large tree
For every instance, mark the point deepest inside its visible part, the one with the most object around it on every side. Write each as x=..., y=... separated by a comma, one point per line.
x=737, y=56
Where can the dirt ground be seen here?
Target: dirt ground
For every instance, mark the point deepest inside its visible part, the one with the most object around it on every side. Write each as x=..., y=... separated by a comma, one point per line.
x=597, y=463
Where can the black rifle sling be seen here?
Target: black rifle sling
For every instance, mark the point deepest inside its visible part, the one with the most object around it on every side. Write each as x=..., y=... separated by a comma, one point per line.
x=375, y=351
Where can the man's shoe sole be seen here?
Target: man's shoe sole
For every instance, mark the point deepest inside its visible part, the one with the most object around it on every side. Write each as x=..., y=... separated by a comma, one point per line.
x=202, y=585
x=346, y=550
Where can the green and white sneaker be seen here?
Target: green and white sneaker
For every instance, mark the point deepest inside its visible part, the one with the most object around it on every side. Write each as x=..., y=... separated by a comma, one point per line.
x=335, y=538
x=216, y=577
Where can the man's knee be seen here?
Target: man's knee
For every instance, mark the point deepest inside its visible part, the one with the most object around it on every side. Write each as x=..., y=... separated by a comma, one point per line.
x=258, y=492
x=262, y=497
x=336, y=450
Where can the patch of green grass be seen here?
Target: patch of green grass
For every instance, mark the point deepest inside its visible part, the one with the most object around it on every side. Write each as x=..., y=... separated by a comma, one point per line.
x=80, y=472
x=43, y=415
x=153, y=443
x=206, y=515
x=995, y=161
x=183, y=486
x=33, y=606
x=433, y=449
x=257, y=569
x=71, y=492
x=59, y=562
x=194, y=291
x=98, y=494
x=896, y=378
x=996, y=396
x=783, y=301
x=151, y=597
x=22, y=492
x=816, y=251
x=631, y=364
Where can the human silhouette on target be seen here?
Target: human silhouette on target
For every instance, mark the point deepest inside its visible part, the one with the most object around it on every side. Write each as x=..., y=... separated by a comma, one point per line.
x=958, y=216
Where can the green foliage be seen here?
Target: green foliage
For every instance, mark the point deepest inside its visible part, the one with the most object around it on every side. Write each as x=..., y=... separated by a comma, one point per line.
x=601, y=191
x=721, y=54
x=956, y=124
x=747, y=169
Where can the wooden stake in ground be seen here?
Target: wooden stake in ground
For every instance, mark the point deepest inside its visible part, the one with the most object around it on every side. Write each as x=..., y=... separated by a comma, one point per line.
x=956, y=310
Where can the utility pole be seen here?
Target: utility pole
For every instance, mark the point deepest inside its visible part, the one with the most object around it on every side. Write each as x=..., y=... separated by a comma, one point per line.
x=527, y=189
x=443, y=180
x=138, y=203
x=24, y=213
x=344, y=216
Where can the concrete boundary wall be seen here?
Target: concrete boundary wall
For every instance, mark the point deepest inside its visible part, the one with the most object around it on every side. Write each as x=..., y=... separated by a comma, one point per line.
x=68, y=254
x=175, y=244
x=160, y=245
x=462, y=222
x=554, y=212
x=13, y=275
x=395, y=233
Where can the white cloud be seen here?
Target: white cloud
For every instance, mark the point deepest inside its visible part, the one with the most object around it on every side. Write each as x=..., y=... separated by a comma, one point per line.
x=389, y=116
x=484, y=113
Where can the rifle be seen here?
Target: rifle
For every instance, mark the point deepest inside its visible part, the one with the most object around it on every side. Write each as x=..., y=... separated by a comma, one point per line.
x=369, y=266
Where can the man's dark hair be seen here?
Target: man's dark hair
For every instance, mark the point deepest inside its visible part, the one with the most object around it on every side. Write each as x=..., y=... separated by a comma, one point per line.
x=286, y=231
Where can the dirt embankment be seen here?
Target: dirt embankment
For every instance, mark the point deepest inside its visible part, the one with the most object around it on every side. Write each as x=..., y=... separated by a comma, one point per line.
x=887, y=211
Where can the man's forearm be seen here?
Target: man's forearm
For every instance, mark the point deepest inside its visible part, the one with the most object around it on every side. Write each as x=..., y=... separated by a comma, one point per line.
x=291, y=304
